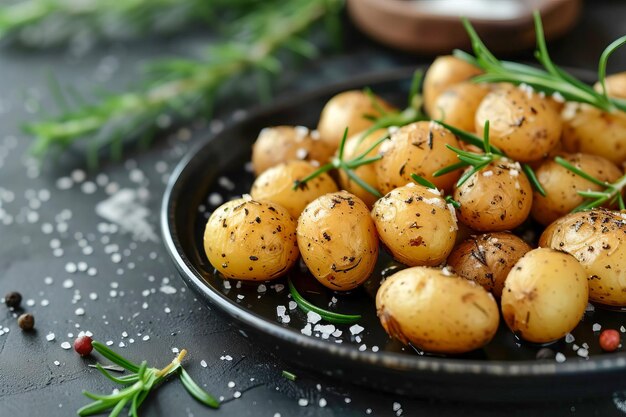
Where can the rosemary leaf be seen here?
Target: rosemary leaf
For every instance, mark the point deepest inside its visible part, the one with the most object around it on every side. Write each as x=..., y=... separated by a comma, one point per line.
x=114, y=357
x=329, y=316
x=196, y=392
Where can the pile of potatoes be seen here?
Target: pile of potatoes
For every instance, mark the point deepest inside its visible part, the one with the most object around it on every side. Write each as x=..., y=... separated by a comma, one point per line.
x=465, y=267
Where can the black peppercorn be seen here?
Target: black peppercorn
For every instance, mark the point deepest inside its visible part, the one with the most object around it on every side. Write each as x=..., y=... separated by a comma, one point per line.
x=26, y=321
x=13, y=299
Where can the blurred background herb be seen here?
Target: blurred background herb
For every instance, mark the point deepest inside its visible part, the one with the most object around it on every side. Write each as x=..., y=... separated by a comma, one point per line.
x=256, y=40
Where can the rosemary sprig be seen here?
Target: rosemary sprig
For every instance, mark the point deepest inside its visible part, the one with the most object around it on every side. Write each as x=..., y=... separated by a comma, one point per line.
x=289, y=375
x=611, y=194
x=329, y=316
x=423, y=181
x=549, y=80
x=339, y=162
x=181, y=89
x=42, y=23
x=412, y=113
x=479, y=161
x=138, y=385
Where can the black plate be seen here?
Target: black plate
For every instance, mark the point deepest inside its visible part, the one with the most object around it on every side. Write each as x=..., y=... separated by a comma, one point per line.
x=505, y=370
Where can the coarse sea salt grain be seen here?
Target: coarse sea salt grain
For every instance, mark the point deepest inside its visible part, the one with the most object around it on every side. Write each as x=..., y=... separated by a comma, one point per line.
x=596, y=327
x=559, y=357
x=307, y=330
x=313, y=317
x=66, y=345
x=50, y=337
x=356, y=329
x=303, y=402
x=203, y=363
x=226, y=358
x=292, y=305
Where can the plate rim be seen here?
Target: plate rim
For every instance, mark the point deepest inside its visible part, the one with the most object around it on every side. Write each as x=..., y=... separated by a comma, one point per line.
x=390, y=360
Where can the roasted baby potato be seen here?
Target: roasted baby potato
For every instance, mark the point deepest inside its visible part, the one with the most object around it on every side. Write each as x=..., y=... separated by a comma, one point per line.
x=457, y=104
x=276, y=185
x=590, y=130
x=338, y=240
x=416, y=225
x=544, y=296
x=496, y=198
x=597, y=238
x=280, y=144
x=348, y=110
x=521, y=123
x=436, y=311
x=615, y=85
x=444, y=72
x=251, y=240
x=487, y=259
x=354, y=147
x=418, y=148
x=562, y=185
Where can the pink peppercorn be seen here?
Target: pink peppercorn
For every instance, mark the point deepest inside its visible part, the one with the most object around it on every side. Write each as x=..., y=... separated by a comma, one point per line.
x=82, y=345
x=609, y=340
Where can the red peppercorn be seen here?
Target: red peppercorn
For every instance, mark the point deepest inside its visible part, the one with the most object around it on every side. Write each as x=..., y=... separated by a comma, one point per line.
x=82, y=345
x=609, y=340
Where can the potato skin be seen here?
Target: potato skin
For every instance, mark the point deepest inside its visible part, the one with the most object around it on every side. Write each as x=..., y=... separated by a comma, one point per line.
x=347, y=110
x=590, y=130
x=435, y=311
x=496, y=198
x=597, y=238
x=521, y=123
x=562, y=185
x=544, y=296
x=615, y=85
x=487, y=259
x=276, y=185
x=444, y=72
x=416, y=225
x=338, y=241
x=355, y=146
x=280, y=144
x=251, y=240
x=417, y=148
x=457, y=104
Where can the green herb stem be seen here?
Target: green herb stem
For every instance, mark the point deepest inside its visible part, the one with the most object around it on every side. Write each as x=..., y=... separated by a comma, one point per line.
x=329, y=316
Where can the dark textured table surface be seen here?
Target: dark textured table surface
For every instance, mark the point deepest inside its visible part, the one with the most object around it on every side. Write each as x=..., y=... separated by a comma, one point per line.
x=80, y=267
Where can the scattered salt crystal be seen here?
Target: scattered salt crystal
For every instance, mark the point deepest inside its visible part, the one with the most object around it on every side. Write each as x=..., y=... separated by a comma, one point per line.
x=307, y=330
x=292, y=305
x=596, y=327
x=303, y=402
x=285, y=319
x=261, y=288
x=50, y=337
x=80, y=311
x=203, y=363
x=622, y=329
x=226, y=358
x=337, y=333
x=30, y=302
x=590, y=307
x=48, y=280
x=68, y=283
x=145, y=338
x=175, y=350
x=396, y=406
x=122, y=344
x=313, y=317
x=569, y=338
x=582, y=352
x=356, y=329
x=374, y=348
x=279, y=287
x=560, y=358
x=227, y=285
x=347, y=400
x=57, y=363
x=362, y=348
x=109, y=343
x=66, y=345
x=70, y=267
x=231, y=384
x=167, y=289
x=167, y=310
x=93, y=296
x=44, y=302
x=280, y=311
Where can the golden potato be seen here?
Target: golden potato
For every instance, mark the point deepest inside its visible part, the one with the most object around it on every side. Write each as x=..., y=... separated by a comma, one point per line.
x=418, y=148
x=597, y=238
x=589, y=130
x=436, y=311
x=521, y=123
x=487, y=259
x=562, y=185
x=251, y=240
x=347, y=110
x=457, y=105
x=276, y=185
x=338, y=240
x=615, y=85
x=496, y=198
x=444, y=72
x=544, y=296
x=280, y=144
x=416, y=224
x=355, y=146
